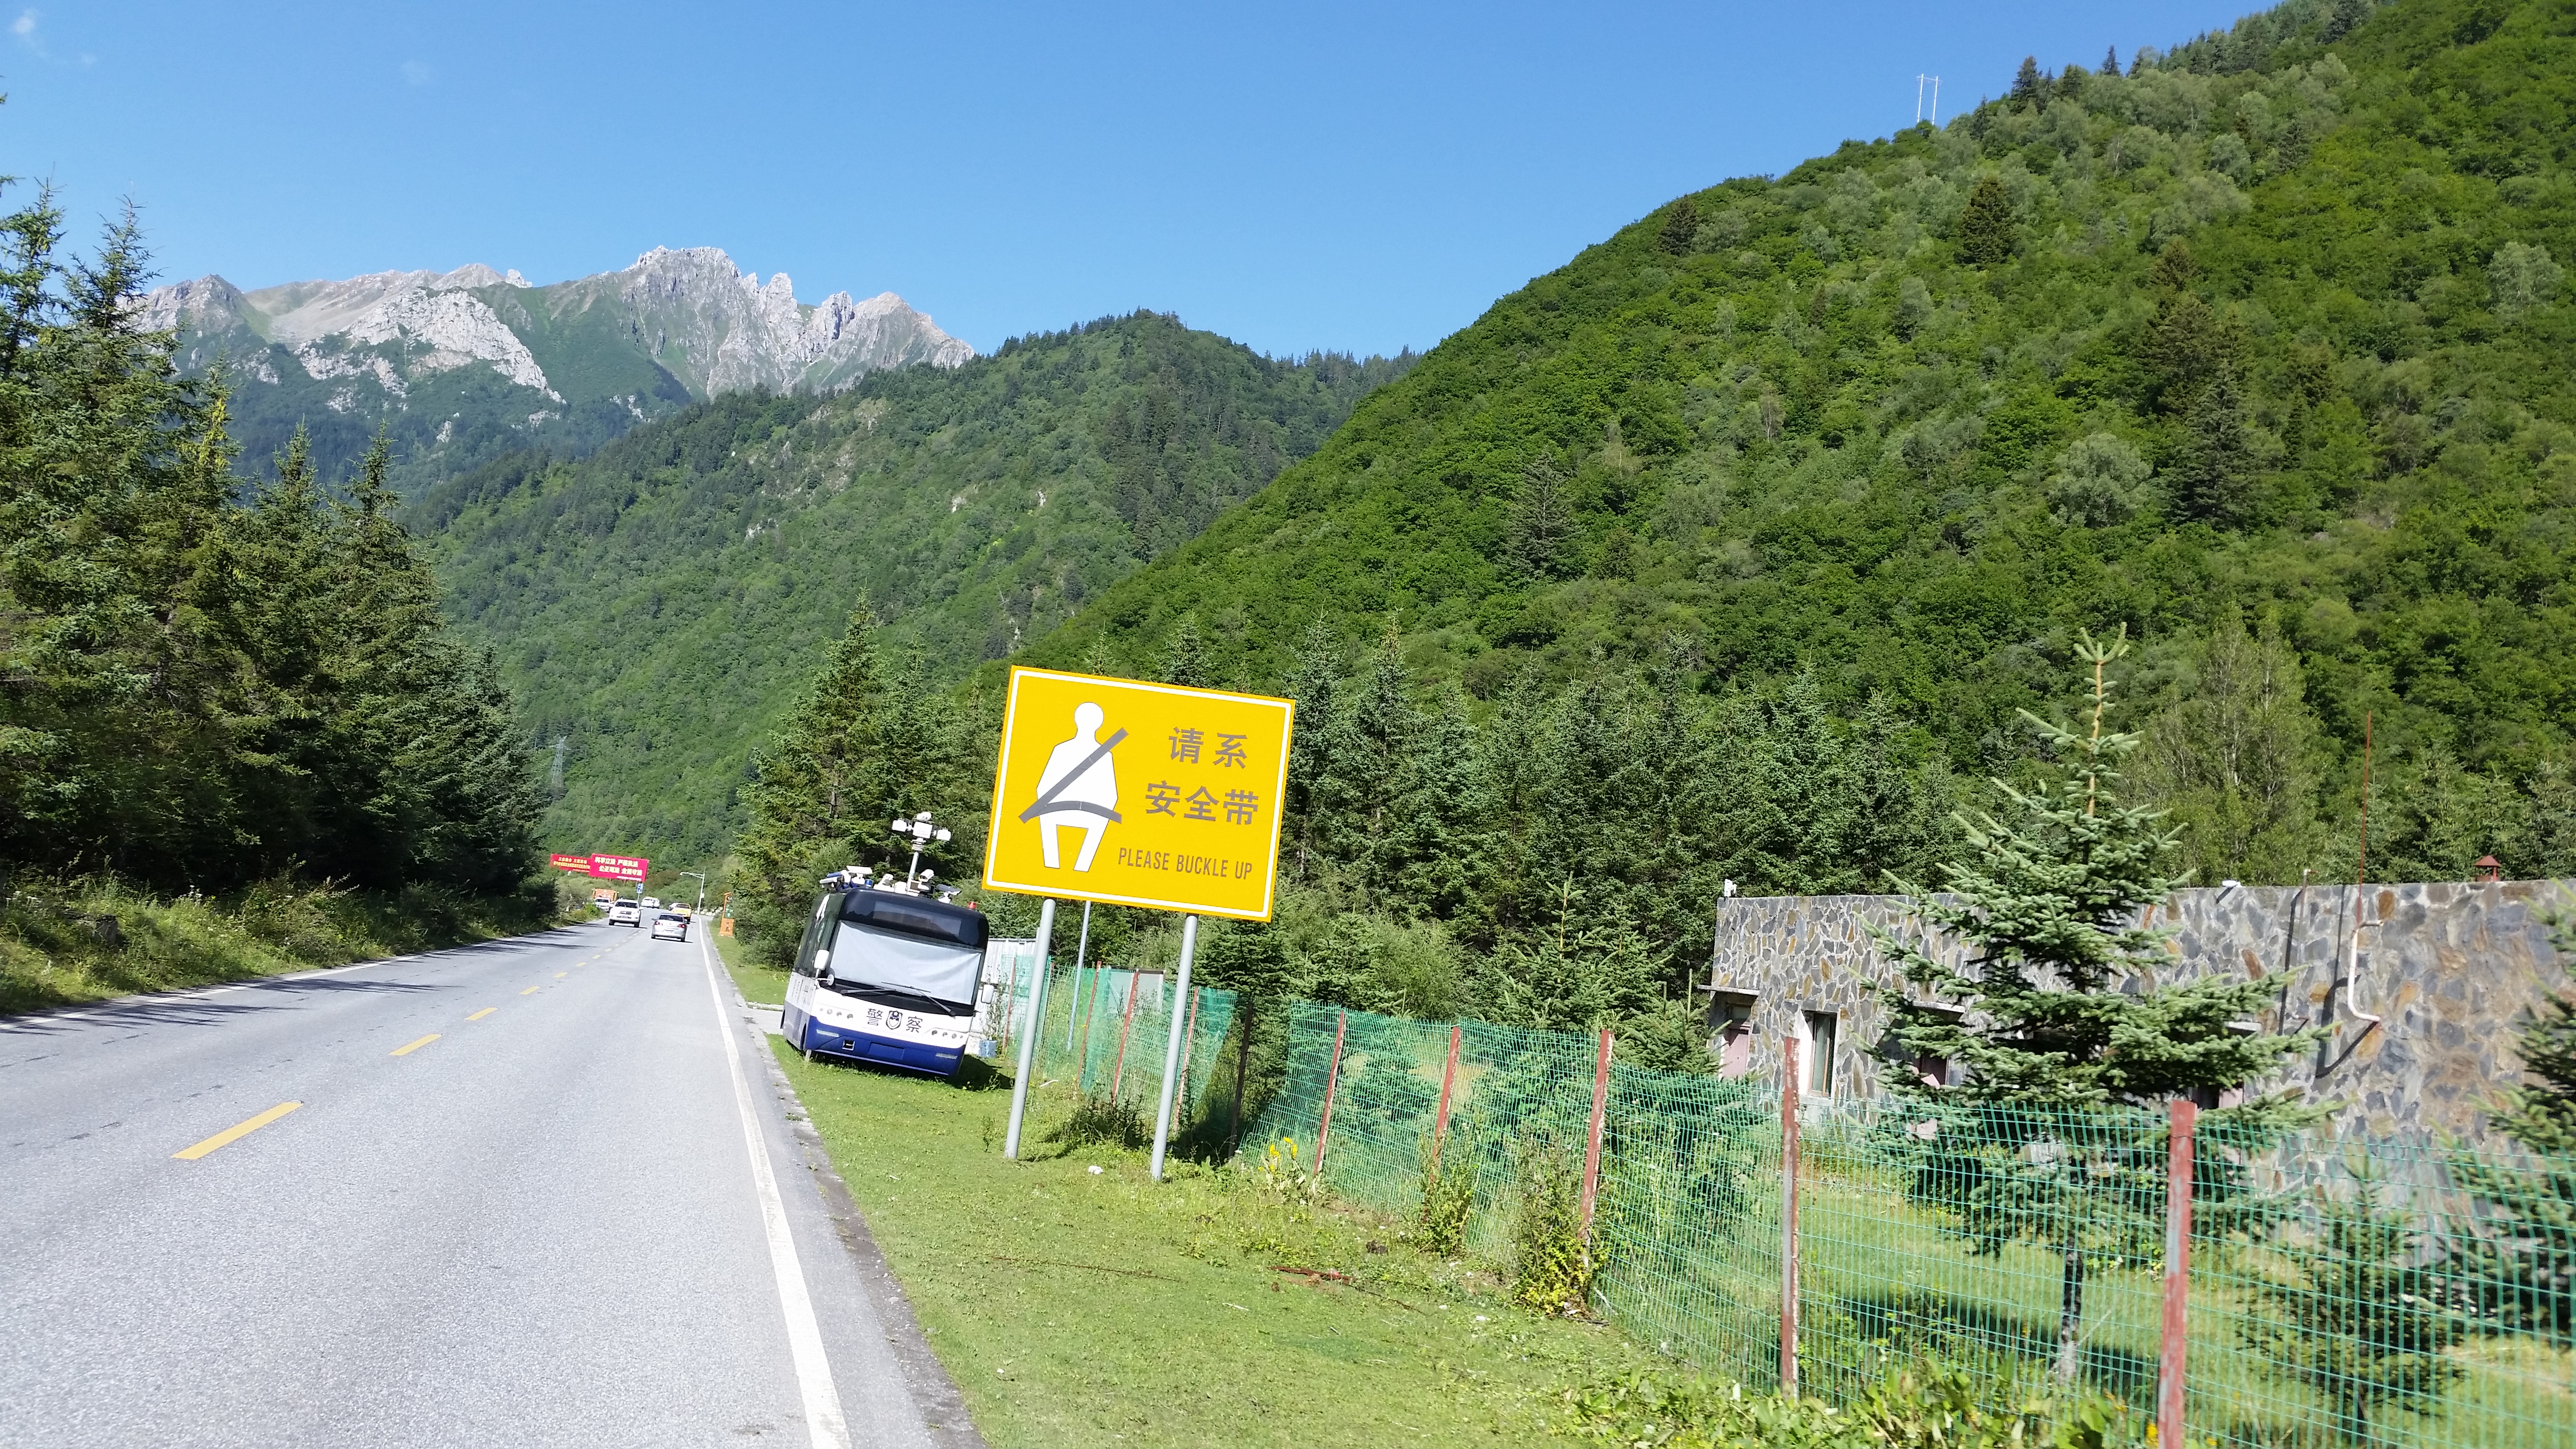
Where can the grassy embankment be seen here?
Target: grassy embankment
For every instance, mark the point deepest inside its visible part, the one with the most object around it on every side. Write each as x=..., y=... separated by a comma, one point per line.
x=1076, y=1307
x=63, y=943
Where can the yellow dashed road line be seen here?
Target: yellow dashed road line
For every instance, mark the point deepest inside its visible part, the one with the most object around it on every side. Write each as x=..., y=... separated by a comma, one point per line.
x=236, y=1133
x=409, y=1047
x=487, y=1011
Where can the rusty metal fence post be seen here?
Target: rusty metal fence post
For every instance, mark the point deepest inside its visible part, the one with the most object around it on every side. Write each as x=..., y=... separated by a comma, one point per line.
x=1592, y=1143
x=1789, y=1216
x=1440, y=1121
x=2169, y=1361
x=1126, y=1024
x=1332, y=1079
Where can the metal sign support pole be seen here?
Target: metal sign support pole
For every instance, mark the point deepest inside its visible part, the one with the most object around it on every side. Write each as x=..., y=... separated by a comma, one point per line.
x=1172, y=1047
x=1080, y=951
x=1029, y=1039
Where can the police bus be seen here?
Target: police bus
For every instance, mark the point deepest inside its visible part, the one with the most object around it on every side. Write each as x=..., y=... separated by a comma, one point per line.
x=887, y=976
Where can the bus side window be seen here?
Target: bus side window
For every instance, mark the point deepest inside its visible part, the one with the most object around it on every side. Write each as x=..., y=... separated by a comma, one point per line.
x=817, y=931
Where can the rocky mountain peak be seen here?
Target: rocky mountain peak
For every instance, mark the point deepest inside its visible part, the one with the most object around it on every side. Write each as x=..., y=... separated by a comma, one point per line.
x=594, y=355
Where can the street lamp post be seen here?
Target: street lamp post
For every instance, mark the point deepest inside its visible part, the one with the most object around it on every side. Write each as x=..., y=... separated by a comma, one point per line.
x=702, y=888
x=920, y=833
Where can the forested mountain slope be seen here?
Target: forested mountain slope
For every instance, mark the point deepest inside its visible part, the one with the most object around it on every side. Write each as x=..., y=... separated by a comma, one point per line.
x=659, y=605
x=2267, y=335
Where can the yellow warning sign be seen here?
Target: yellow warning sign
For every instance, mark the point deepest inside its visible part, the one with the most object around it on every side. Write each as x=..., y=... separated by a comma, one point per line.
x=1138, y=794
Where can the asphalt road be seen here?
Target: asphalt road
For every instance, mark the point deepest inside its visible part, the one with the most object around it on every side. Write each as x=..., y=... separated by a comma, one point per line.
x=517, y=1205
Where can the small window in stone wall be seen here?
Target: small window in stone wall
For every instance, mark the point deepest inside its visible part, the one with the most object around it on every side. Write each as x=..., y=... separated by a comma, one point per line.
x=1734, y=1020
x=1819, y=1053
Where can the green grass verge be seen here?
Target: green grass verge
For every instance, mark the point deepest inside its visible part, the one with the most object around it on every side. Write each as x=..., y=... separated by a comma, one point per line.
x=758, y=984
x=67, y=942
x=1088, y=1308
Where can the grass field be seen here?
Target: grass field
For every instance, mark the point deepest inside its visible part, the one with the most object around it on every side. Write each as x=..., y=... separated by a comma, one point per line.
x=1087, y=1307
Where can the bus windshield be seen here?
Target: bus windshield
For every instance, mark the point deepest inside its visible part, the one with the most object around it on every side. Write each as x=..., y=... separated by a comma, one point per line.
x=943, y=971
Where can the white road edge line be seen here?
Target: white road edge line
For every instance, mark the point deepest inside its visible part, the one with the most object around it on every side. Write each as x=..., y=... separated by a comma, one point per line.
x=823, y=1421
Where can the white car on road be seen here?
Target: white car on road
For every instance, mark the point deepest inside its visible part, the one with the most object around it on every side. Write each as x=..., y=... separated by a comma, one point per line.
x=625, y=913
x=670, y=926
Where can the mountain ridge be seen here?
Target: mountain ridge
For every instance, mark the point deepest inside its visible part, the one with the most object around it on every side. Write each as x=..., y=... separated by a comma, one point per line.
x=466, y=365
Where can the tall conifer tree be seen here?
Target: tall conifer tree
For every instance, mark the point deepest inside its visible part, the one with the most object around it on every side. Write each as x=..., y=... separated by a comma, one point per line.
x=2047, y=906
x=821, y=790
x=1986, y=229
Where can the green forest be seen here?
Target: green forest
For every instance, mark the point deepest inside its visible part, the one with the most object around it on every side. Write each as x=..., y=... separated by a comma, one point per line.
x=2261, y=349
x=1736, y=549
x=659, y=604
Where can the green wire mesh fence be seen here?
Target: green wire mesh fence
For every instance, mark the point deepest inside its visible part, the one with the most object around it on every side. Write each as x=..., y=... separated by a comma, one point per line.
x=2339, y=1292
x=1106, y=1029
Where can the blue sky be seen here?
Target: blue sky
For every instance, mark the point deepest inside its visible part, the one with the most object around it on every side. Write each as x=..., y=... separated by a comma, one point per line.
x=1354, y=176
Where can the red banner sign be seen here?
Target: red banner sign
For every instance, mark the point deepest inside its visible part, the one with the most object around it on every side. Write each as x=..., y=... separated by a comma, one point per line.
x=579, y=864
x=619, y=867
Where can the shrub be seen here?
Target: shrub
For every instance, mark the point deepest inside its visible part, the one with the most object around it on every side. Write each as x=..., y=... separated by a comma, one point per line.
x=1929, y=1405
x=1551, y=1264
x=1448, y=1198
x=1105, y=1120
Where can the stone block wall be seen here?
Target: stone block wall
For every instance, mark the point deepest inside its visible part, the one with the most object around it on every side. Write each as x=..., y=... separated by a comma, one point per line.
x=2448, y=968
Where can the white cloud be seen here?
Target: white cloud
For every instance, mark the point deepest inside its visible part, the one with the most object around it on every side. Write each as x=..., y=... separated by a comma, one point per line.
x=415, y=73
x=24, y=27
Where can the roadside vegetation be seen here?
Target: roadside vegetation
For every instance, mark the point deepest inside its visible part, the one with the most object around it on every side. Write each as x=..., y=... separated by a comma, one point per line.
x=1076, y=1302
x=65, y=942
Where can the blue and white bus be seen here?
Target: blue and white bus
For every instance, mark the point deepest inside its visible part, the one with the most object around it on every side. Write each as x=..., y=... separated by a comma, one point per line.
x=889, y=977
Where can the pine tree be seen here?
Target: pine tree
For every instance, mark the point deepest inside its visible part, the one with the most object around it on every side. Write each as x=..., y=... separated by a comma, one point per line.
x=2518, y=1262
x=2358, y=1319
x=1542, y=522
x=2188, y=346
x=2027, y=83
x=2211, y=471
x=821, y=792
x=2229, y=759
x=1189, y=661
x=1315, y=683
x=2174, y=268
x=2047, y=908
x=2111, y=61
x=1986, y=229
x=1681, y=224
